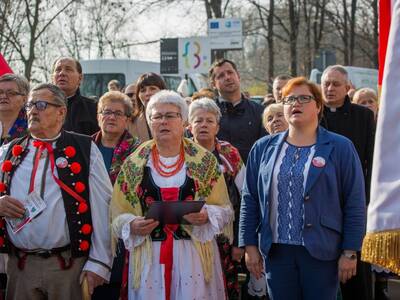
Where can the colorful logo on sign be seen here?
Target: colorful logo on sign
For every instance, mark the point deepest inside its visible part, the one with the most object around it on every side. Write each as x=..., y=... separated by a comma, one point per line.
x=196, y=55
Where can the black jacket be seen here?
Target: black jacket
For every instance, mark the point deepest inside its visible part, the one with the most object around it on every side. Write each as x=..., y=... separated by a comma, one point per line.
x=81, y=115
x=356, y=123
x=241, y=125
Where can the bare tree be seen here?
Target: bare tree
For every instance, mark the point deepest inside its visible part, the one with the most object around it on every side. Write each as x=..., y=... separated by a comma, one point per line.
x=289, y=22
x=34, y=21
x=266, y=17
x=314, y=21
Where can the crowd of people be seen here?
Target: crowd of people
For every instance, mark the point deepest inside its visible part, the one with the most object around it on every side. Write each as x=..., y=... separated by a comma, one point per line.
x=276, y=191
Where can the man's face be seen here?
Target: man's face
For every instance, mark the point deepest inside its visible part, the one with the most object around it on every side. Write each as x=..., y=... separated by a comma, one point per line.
x=66, y=76
x=113, y=87
x=11, y=99
x=226, y=79
x=277, y=87
x=48, y=122
x=334, y=88
x=130, y=92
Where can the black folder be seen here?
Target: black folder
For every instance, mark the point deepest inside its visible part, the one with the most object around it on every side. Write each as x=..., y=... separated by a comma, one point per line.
x=172, y=212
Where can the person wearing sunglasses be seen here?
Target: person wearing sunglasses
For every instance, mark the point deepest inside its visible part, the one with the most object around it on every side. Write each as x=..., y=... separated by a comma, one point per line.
x=54, y=193
x=13, y=94
x=302, y=213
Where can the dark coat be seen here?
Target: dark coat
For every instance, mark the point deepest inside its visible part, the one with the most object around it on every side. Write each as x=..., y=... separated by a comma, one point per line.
x=357, y=124
x=81, y=115
x=241, y=125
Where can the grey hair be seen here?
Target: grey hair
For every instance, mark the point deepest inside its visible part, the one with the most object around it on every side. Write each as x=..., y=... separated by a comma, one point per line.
x=167, y=97
x=338, y=68
x=58, y=94
x=115, y=97
x=207, y=104
x=21, y=81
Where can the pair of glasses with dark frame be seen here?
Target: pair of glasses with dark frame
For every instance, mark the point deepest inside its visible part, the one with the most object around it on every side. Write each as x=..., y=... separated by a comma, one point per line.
x=40, y=105
x=116, y=114
x=11, y=93
x=167, y=116
x=289, y=100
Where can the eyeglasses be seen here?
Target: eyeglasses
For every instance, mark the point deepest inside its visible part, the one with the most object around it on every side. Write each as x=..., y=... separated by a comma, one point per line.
x=169, y=116
x=40, y=105
x=130, y=95
x=290, y=100
x=10, y=93
x=117, y=114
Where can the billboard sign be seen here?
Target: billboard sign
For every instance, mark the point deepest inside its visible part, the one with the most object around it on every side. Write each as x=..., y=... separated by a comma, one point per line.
x=225, y=33
x=169, y=56
x=194, y=55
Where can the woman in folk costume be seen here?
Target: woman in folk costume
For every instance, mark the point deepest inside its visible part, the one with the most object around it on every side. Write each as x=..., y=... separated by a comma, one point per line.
x=171, y=261
x=204, y=117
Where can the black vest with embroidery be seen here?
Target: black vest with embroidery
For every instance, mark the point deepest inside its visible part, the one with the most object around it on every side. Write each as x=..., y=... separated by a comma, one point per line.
x=151, y=192
x=79, y=223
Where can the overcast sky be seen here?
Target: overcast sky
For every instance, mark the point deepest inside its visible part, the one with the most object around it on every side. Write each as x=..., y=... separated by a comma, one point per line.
x=168, y=22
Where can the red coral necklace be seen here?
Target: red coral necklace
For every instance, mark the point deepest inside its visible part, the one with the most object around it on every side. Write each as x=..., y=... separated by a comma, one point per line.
x=172, y=169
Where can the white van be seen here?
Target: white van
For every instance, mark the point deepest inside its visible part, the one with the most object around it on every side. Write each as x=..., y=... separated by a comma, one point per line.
x=359, y=77
x=98, y=72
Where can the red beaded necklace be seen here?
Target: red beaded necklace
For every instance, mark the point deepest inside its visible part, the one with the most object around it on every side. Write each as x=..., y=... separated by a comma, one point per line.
x=174, y=168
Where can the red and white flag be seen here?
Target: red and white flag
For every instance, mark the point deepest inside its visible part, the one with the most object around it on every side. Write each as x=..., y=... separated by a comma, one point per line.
x=4, y=67
x=382, y=242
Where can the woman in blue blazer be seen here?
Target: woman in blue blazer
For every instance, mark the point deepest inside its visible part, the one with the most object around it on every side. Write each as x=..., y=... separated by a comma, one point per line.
x=302, y=214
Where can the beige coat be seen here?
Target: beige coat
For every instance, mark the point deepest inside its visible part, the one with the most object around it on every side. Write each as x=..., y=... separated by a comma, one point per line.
x=138, y=128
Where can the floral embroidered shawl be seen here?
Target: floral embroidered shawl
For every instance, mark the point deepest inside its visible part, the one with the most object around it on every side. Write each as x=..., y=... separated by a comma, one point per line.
x=126, y=145
x=19, y=128
x=230, y=157
x=202, y=166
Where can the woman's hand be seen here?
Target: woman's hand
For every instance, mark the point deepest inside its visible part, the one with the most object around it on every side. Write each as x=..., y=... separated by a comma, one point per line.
x=199, y=218
x=254, y=262
x=347, y=268
x=141, y=226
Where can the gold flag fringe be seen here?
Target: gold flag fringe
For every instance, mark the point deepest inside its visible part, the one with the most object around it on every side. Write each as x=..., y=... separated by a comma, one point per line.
x=382, y=249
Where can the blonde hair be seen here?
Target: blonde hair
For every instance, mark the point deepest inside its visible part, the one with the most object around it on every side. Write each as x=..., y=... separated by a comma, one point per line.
x=270, y=109
x=115, y=97
x=365, y=92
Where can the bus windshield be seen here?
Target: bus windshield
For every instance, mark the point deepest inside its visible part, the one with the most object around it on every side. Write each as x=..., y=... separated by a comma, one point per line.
x=95, y=85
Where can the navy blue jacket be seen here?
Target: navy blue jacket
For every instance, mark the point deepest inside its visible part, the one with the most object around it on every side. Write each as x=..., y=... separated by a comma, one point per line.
x=241, y=125
x=334, y=197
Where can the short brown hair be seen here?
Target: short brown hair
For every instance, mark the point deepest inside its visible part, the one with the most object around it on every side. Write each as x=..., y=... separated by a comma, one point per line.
x=77, y=63
x=314, y=89
x=218, y=63
x=21, y=82
x=204, y=92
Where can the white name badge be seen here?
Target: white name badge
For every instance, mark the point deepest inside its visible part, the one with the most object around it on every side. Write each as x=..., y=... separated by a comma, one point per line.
x=34, y=205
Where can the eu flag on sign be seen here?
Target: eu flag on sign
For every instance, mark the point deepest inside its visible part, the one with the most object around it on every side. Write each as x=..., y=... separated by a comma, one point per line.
x=214, y=25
